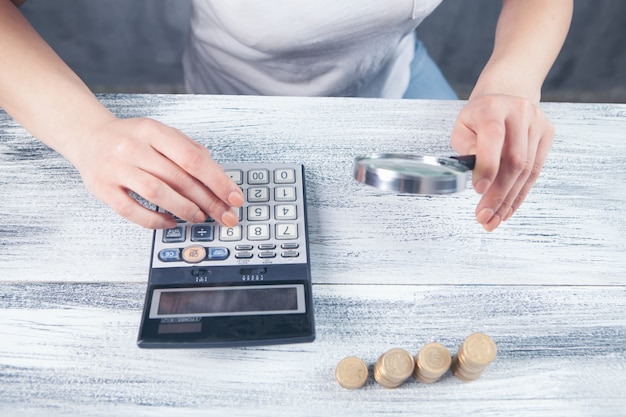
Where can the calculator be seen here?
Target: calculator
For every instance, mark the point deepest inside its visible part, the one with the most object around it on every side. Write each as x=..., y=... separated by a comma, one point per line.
x=216, y=286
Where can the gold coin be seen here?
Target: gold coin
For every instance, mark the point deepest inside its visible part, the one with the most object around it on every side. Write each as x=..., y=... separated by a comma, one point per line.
x=478, y=351
x=397, y=364
x=462, y=373
x=351, y=373
x=394, y=367
x=432, y=361
x=475, y=353
x=382, y=379
x=194, y=254
x=457, y=372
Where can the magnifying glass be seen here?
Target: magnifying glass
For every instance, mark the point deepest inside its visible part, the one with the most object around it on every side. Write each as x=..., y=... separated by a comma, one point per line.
x=414, y=174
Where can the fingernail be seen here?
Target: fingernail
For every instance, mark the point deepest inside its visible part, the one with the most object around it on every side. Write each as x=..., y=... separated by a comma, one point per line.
x=199, y=217
x=485, y=215
x=482, y=186
x=235, y=199
x=492, y=224
x=230, y=218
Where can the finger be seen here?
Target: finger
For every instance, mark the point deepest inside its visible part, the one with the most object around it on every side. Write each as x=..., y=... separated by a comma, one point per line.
x=196, y=160
x=196, y=201
x=543, y=148
x=514, y=168
x=130, y=209
x=158, y=192
x=519, y=158
x=480, y=129
x=490, y=137
x=505, y=211
x=533, y=137
x=186, y=198
x=463, y=138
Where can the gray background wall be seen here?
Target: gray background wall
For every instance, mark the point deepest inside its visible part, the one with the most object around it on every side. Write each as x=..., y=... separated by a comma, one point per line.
x=135, y=46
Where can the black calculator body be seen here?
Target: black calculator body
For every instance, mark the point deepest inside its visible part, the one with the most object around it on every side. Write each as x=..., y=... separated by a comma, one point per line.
x=216, y=286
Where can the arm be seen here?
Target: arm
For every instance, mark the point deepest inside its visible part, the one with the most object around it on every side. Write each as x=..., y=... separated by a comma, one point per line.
x=114, y=156
x=502, y=122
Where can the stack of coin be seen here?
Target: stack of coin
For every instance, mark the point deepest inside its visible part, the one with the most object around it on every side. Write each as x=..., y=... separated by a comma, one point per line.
x=393, y=368
x=473, y=357
x=351, y=373
x=432, y=361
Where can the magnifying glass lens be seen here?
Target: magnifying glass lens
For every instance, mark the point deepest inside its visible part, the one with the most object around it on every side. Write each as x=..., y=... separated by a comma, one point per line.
x=412, y=174
x=411, y=168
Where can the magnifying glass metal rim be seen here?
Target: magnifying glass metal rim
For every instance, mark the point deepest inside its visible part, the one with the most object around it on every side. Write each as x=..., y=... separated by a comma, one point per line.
x=453, y=179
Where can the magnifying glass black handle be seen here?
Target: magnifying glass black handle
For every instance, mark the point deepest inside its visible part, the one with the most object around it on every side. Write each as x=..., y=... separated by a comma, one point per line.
x=468, y=160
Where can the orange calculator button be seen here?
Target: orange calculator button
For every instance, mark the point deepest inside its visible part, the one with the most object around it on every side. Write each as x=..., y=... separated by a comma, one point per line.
x=194, y=254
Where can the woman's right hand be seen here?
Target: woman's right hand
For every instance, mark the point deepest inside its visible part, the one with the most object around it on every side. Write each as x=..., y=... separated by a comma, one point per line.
x=162, y=165
x=114, y=156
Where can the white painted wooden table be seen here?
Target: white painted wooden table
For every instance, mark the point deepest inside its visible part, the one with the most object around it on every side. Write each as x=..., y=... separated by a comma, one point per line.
x=549, y=286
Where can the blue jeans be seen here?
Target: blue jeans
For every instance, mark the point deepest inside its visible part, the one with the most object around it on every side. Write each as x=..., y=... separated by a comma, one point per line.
x=427, y=81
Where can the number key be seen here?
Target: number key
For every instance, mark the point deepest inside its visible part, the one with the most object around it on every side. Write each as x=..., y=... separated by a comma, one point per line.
x=258, y=232
x=286, y=231
x=258, y=213
x=285, y=212
x=258, y=176
x=285, y=194
x=230, y=233
x=284, y=176
x=258, y=194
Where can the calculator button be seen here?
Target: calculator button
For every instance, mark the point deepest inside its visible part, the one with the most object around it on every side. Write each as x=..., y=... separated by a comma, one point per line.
x=230, y=233
x=258, y=213
x=267, y=255
x=289, y=246
x=258, y=232
x=285, y=194
x=285, y=212
x=218, y=254
x=194, y=254
x=290, y=254
x=258, y=176
x=244, y=247
x=258, y=194
x=169, y=255
x=236, y=175
x=267, y=246
x=244, y=255
x=286, y=231
x=175, y=234
x=201, y=233
x=284, y=176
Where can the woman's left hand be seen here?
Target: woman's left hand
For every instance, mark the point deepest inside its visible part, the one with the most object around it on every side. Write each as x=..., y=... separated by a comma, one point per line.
x=511, y=138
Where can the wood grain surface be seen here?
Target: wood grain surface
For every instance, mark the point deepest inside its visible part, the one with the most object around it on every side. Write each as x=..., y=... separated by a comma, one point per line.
x=549, y=286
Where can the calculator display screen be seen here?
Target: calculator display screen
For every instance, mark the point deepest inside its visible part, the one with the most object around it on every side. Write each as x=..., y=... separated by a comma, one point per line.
x=227, y=301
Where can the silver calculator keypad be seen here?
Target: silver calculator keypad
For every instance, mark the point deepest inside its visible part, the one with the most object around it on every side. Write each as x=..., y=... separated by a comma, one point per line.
x=271, y=229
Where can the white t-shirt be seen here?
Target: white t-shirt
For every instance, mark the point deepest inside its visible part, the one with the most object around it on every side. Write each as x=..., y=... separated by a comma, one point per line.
x=359, y=48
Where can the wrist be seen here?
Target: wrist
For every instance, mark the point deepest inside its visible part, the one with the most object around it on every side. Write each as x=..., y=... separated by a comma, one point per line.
x=74, y=140
x=511, y=80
